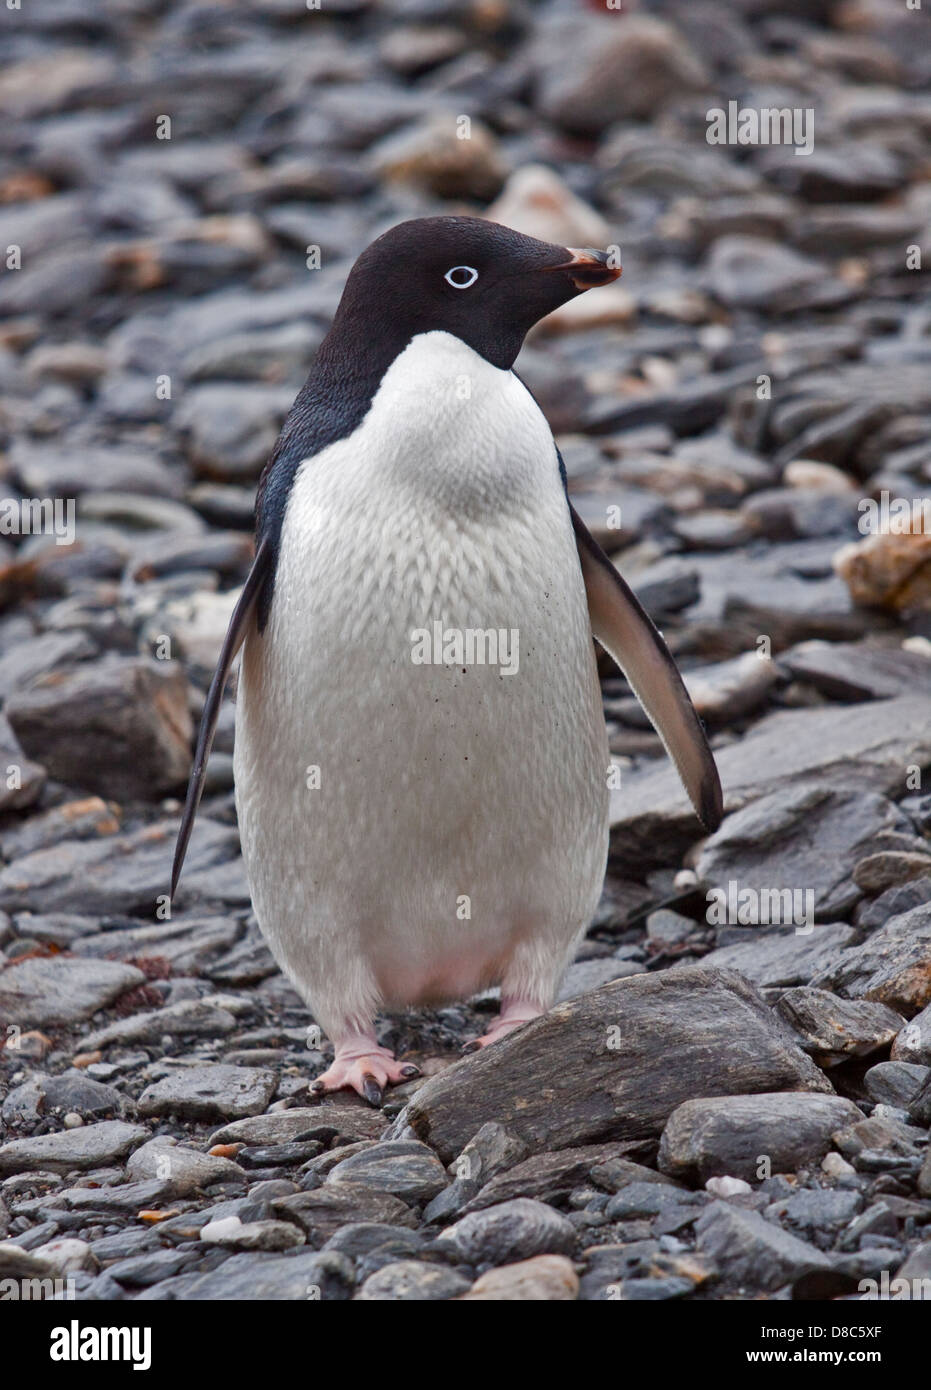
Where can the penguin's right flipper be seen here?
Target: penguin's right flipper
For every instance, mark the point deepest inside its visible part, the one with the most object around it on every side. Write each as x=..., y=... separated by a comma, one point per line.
x=624, y=629
x=233, y=640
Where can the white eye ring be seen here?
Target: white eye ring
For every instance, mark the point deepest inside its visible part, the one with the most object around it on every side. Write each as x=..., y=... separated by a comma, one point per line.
x=461, y=284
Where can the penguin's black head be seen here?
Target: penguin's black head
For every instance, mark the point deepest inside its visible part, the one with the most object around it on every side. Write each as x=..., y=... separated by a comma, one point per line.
x=482, y=282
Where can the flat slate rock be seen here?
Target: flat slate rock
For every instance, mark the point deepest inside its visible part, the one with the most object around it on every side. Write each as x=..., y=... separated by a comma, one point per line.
x=725, y=1136
x=892, y=966
x=805, y=835
x=47, y=990
x=323, y=1210
x=210, y=1092
x=832, y=1029
x=302, y=1277
x=349, y=1122
x=778, y=959
x=614, y=1064
x=751, y=1252
x=88, y=1146
x=551, y=1177
x=862, y=748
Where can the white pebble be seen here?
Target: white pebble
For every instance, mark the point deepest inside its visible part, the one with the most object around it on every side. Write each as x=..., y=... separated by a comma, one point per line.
x=836, y=1166
x=727, y=1187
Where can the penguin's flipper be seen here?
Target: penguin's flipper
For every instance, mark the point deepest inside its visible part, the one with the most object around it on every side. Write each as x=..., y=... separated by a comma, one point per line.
x=233, y=640
x=622, y=627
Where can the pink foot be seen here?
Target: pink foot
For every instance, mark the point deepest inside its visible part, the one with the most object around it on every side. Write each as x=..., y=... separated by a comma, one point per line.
x=361, y=1065
x=514, y=1014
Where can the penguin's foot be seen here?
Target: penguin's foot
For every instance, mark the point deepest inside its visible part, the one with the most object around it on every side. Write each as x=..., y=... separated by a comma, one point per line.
x=513, y=1015
x=361, y=1065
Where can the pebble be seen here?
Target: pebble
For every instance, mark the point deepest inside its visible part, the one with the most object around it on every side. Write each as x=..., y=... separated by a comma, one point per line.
x=510, y=1231
x=213, y=1092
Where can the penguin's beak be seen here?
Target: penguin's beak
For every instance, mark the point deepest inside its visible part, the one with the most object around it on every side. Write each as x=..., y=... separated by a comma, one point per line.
x=587, y=268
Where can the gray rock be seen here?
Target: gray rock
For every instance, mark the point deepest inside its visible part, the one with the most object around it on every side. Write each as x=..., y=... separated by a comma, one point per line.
x=748, y=272
x=123, y=873
x=777, y=960
x=233, y=1234
x=25, y=662
x=298, y=1277
x=857, y=670
x=513, y=1230
x=862, y=748
x=913, y=1043
x=188, y=1169
x=322, y=1211
x=90, y=1146
x=185, y=942
x=833, y=1029
x=403, y=1167
x=724, y=1039
x=363, y=1241
x=213, y=1092
x=594, y=72
x=799, y=846
x=750, y=1252
x=551, y=1177
x=491, y=1151
x=210, y=1017
x=120, y=727
x=815, y=1211
x=413, y=1281
x=326, y=1122
x=892, y=966
x=728, y=1135
x=42, y=991
x=590, y=974
x=896, y=1083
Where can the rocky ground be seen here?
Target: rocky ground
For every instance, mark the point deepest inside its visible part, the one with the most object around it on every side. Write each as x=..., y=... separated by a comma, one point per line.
x=714, y=1110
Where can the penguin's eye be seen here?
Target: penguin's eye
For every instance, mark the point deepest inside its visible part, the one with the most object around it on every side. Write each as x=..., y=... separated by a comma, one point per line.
x=461, y=277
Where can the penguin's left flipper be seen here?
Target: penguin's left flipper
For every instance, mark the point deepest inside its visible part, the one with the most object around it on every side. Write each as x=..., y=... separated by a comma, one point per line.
x=233, y=640
x=626, y=631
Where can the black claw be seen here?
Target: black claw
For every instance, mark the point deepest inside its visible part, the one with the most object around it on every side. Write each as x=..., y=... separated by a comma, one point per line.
x=317, y=1088
x=371, y=1090
x=410, y=1071
x=470, y=1046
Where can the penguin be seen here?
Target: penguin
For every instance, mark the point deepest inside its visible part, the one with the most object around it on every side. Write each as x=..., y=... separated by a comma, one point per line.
x=421, y=761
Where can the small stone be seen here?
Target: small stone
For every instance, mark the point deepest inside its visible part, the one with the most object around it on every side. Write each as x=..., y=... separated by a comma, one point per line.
x=888, y=570
x=834, y=1165
x=404, y=1167
x=727, y=1187
x=833, y=1029
x=234, y=1234
x=412, y=1281
x=432, y=156
x=750, y=1252
x=510, y=1231
x=91, y=1146
x=913, y=1043
x=725, y=1136
x=119, y=727
x=536, y=202
x=544, y=1278
x=62, y=989
x=212, y=1092
x=188, y=1169
x=896, y=1083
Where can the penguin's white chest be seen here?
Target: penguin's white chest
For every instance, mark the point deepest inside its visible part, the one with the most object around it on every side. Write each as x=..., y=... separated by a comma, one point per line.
x=420, y=752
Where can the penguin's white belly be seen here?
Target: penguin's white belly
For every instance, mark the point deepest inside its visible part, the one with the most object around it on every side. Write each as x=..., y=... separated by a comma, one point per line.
x=421, y=755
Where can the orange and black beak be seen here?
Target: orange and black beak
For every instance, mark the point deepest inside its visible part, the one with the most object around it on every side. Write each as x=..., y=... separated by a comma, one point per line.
x=588, y=269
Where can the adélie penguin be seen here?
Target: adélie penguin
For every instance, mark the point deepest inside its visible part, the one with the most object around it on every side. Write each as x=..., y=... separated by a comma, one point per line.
x=421, y=760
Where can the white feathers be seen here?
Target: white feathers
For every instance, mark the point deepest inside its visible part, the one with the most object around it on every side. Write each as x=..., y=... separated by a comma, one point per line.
x=415, y=831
